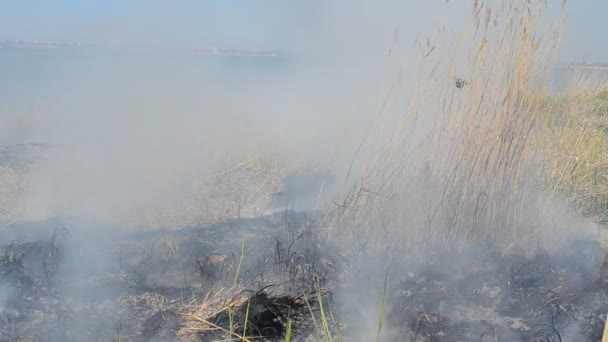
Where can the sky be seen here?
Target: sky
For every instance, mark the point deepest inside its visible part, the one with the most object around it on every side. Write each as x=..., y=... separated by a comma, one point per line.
x=247, y=24
x=586, y=27
x=241, y=23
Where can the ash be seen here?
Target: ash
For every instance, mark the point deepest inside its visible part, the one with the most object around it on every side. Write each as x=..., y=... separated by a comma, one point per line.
x=483, y=296
x=60, y=283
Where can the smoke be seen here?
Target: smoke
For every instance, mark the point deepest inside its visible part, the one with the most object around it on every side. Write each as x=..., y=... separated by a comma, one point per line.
x=131, y=128
x=131, y=132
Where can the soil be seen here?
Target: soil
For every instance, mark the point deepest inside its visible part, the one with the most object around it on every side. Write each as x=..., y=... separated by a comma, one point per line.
x=484, y=297
x=59, y=281
x=68, y=280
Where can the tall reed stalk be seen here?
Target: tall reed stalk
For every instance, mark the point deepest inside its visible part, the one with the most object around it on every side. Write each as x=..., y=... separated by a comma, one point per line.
x=452, y=172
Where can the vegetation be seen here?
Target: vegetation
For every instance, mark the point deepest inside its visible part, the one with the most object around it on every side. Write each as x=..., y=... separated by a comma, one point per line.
x=488, y=140
x=454, y=171
x=480, y=134
x=573, y=147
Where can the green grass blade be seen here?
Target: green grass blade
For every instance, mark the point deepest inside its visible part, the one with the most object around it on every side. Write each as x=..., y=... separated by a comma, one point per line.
x=246, y=319
x=381, y=317
x=288, y=333
x=322, y=310
x=314, y=320
x=238, y=268
x=230, y=322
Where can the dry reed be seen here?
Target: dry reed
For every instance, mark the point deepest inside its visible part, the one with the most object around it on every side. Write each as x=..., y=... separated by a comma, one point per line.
x=452, y=172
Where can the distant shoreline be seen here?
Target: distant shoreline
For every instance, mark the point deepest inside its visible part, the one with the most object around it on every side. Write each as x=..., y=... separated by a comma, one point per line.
x=583, y=66
x=200, y=51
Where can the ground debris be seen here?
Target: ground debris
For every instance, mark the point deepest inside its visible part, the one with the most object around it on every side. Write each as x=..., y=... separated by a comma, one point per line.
x=260, y=317
x=188, y=285
x=538, y=297
x=162, y=326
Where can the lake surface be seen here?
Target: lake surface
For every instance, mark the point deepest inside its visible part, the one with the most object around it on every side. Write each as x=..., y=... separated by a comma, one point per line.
x=49, y=88
x=103, y=98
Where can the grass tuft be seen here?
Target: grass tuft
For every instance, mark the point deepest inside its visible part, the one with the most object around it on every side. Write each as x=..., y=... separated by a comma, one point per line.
x=381, y=315
x=573, y=149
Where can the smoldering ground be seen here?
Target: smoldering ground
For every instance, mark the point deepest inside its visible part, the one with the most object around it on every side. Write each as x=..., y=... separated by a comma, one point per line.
x=164, y=285
x=143, y=220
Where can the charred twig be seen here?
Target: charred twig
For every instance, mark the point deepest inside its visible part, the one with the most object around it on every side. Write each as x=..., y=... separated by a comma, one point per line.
x=492, y=331
x=553, y=325
x=514, y=273
x=277, y=251
x=46, y=272
x=264, y=289
x=291, y=245
x=418, y=326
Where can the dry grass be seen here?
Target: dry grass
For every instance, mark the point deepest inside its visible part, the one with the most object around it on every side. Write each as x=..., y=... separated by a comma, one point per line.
x=573, y=148
x=12, y=184
x=197, y=316
x=242, y=188
x=453, y=171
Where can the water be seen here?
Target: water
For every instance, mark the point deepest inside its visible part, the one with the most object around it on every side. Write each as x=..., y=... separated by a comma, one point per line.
x=132, y=130
x=106, y=101
x=564, y=78
x=47, y=89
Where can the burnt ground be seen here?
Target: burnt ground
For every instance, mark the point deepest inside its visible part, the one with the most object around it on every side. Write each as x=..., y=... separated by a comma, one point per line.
x=488, y=297
x=64, y=280
x=20, y=157
x=68, y=280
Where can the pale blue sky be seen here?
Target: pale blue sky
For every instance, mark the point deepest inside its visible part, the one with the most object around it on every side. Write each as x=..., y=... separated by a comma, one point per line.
x=587, y=30
x=239, y=23
x=180, y=23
